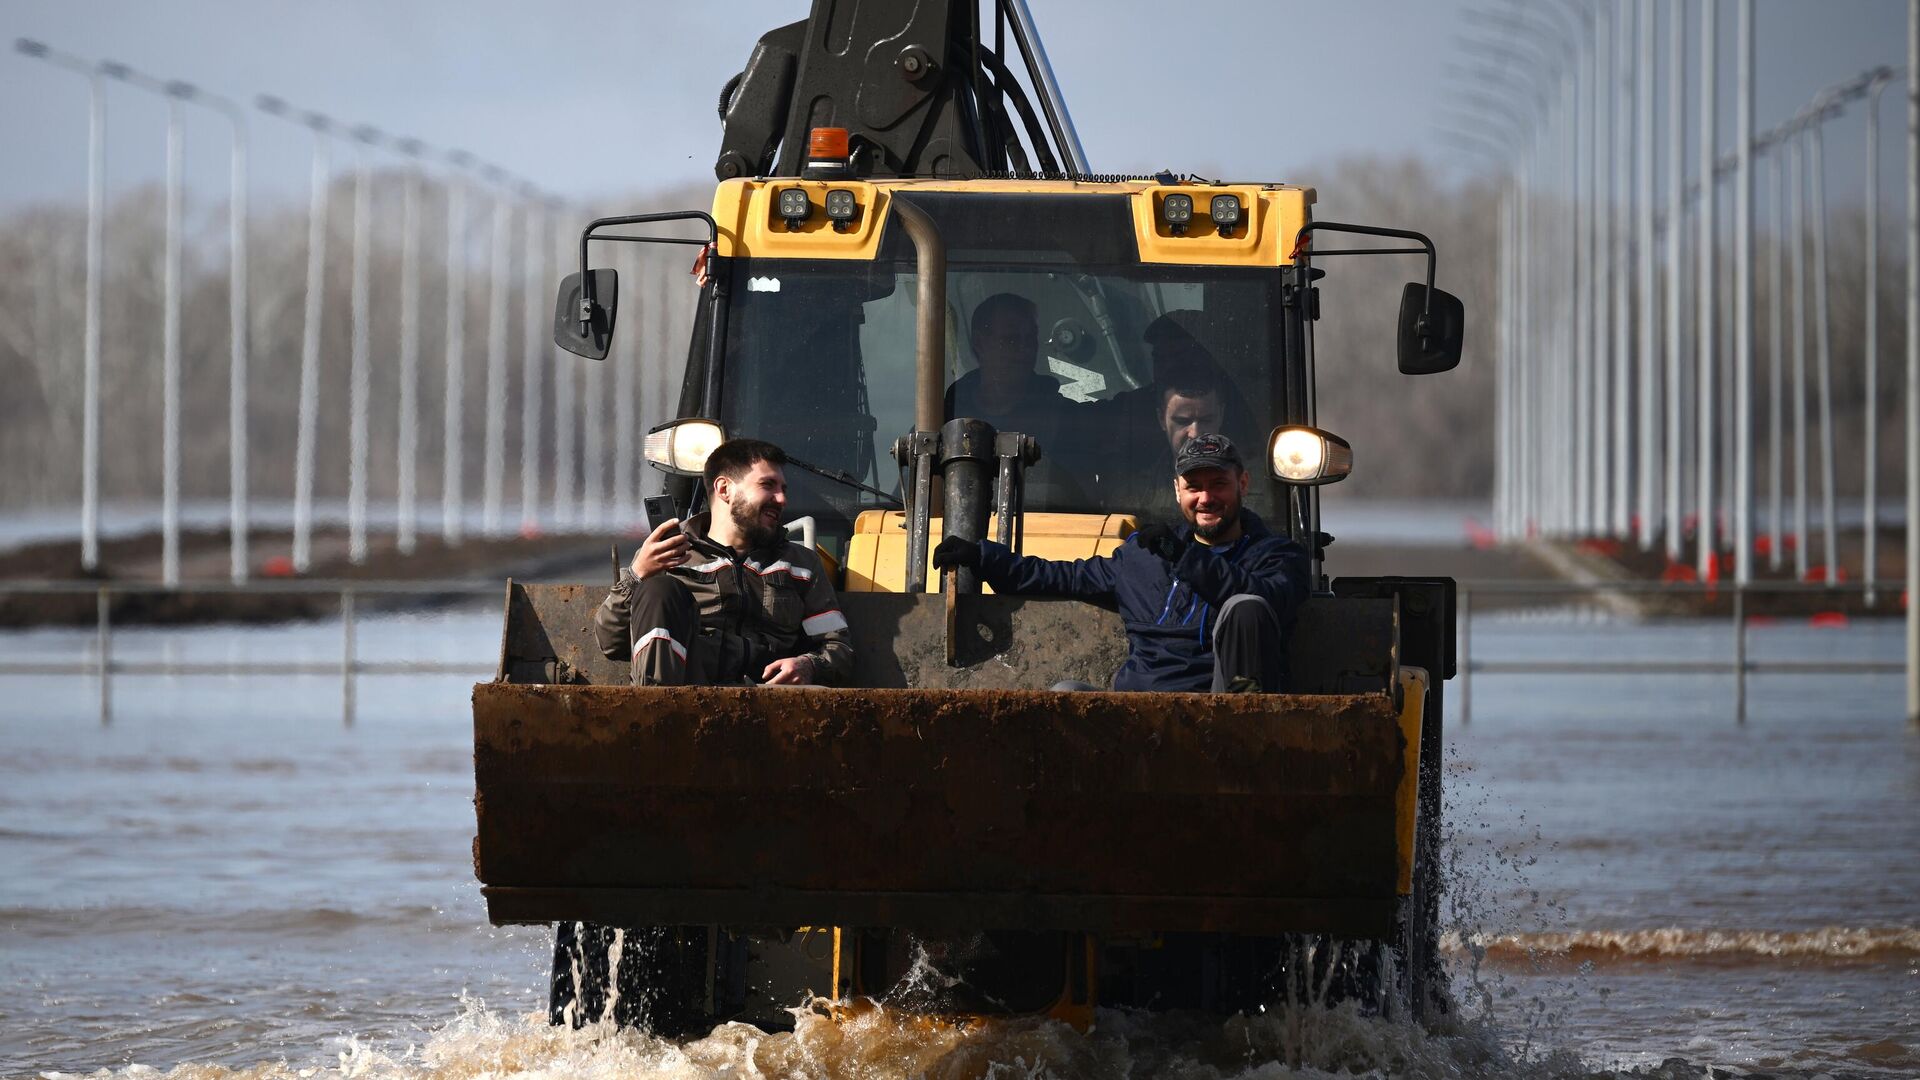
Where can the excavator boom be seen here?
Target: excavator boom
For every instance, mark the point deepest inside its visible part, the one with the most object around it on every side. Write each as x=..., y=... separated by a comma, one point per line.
x=913, y=82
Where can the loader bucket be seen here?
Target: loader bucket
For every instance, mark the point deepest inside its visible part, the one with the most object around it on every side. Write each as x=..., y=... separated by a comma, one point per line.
x=945, y=796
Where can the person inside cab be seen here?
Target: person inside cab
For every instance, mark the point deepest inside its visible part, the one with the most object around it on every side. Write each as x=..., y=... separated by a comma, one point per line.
x=1189, y=395
x=1007, y=389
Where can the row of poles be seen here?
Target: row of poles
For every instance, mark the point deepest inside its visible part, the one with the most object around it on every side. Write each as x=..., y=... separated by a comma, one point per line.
x=1618, y=347
x=502, y=198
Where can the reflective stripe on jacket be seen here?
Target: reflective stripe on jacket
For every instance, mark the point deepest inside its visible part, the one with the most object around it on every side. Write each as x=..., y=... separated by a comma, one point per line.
x=766, y=605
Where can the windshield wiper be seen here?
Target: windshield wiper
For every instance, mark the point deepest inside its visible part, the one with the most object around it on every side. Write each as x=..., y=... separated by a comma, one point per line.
x=846, y=478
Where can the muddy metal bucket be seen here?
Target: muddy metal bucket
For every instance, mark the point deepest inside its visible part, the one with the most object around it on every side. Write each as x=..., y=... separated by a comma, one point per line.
x=970, y=805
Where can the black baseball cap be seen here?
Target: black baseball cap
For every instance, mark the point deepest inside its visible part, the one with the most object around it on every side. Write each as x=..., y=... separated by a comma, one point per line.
x=1207, y=451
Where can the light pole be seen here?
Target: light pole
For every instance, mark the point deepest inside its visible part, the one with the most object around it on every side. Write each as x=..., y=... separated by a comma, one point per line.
x=626, y=359
x=1524, y=69
x=407, y=492
x=593, y=436
x=1704, y=388
x=309, y=407
x=534, y=240
x=175, y=93
x=1649, y=400
x=1872, y=516
x=90, y=363
x=1676, y=275
x=1623, y=146
x=238, y=323
x=1743, y=303
x=493, y=464
x=1913, y=363
x=453, y=427
x=361, y=346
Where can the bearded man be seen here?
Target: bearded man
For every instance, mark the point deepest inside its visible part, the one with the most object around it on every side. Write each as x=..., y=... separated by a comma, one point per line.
x=726, y=599
x=1207, y=604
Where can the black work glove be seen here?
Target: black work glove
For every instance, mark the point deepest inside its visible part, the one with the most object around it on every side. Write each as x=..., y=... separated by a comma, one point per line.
x=1163, y=541
x=953, y=551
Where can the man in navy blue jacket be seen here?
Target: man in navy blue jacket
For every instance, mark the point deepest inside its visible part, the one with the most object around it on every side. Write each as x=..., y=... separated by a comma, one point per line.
x=1207, y=605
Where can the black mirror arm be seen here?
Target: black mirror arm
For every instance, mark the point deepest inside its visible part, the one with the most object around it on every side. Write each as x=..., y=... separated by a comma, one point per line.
x=588, y=302
x=1303, y=253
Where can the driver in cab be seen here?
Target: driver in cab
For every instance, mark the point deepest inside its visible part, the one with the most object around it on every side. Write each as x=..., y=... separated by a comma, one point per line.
x=1007, y=389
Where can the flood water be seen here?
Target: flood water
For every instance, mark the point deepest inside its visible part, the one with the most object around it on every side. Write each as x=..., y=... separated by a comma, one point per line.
x=227, y=879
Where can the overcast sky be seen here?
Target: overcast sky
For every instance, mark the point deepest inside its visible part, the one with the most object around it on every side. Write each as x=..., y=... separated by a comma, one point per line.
x=589, y=100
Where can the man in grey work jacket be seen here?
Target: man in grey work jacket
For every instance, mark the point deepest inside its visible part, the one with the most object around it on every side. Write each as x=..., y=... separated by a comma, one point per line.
x=728, y=599
x=1207, y=604
x=725, y=601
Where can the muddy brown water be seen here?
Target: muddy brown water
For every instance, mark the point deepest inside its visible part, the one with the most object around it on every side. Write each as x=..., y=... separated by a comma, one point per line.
x=227, y=882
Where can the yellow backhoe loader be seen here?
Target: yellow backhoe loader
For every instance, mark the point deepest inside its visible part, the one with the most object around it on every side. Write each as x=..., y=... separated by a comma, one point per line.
x=950, y=834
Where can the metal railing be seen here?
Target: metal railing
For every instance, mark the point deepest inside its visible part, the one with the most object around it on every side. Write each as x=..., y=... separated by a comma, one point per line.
x=1740, y=665
x=349, y=666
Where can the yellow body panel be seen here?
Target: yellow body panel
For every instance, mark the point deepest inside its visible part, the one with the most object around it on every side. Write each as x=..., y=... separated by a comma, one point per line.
x=1406, y=803
x=747, y=214
x=877, y=551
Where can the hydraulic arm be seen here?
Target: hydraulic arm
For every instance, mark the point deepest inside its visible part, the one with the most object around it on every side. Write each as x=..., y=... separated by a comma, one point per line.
x=914, y=82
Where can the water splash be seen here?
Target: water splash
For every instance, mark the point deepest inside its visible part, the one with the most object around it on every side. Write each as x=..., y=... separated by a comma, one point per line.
x=868, y=1041
x=1835, y=943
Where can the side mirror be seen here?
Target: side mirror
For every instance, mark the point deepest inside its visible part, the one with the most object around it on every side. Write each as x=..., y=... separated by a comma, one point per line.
x=1434, y=347
x=589, y=337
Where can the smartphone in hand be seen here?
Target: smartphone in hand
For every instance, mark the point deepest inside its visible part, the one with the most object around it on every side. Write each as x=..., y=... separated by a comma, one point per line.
x=659, y=508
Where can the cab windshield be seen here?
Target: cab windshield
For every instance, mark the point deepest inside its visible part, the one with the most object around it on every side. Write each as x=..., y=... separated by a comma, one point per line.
x=1109, y=363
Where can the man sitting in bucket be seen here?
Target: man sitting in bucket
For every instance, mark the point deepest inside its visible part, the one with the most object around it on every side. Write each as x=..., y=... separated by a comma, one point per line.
x=1207, y=604
x=728, y=599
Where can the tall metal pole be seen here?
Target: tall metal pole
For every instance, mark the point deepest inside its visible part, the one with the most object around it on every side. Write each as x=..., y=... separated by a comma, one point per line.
x=493, y=467
x=408, y=450
x=626, y=360
x=90, y=362
x=1676, y=270
x=1709, y=138
x=1777, y=343
x=303, y=453
x=170, y=360
x=564, y=411
x=453, y=415
x=665, y=325
x=1584, y=283
x=1649, y=400
x=1525, y=451
x=358, y=390
x=238, y=328
x=90, y=393
x=1913, y=363
x=1503, y=363
x=593, y=494
x=1571, y=332
x=1743, y=302
x=533, y=295
x=1797, y=264
x=1600, y=271
x=239, y=331
x=1871, y=522
x=1823, y=342
x=1623, y=144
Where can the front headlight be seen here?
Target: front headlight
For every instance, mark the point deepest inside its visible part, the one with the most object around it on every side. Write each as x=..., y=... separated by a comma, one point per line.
x=682, y=446
x=1304, y=455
